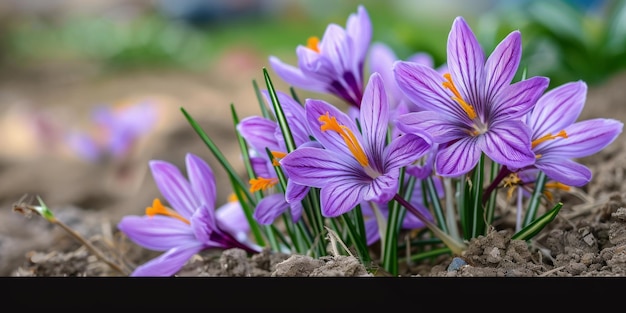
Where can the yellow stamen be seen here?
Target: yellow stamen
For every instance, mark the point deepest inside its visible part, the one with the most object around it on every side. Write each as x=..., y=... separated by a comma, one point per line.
x=554, y=185
x=557, y=185
x=262, y=183
x=457, y=96
x=157, y=208
x=277, y=156
x=547, y=137
x=313, y=43
x=511, y=182
x=330, y=123
x=232, y=198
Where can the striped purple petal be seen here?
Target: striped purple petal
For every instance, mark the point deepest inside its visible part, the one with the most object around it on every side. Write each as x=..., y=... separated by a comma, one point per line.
x=174, y=187
x=157, y=233
x=168, y=263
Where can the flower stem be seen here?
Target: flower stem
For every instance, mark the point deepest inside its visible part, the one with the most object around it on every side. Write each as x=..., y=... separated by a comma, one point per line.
x=455, y=246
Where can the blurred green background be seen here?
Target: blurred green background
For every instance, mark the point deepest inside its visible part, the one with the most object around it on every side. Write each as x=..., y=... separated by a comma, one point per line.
x=563, y=39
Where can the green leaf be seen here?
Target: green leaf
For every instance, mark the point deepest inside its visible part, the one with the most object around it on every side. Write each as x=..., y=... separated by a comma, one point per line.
x=280, y=115
x=536, y=226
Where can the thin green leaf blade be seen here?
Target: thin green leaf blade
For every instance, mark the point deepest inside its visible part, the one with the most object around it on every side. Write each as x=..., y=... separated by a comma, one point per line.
x=537, y=225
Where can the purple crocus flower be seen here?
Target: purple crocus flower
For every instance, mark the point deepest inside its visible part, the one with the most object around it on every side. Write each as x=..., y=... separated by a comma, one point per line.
x=353, y=167
x=333, y=64
x=557, y=138
x=474, y=108
x=189, y=228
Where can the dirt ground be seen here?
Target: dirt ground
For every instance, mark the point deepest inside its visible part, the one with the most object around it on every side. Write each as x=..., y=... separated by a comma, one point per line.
x=588, y=237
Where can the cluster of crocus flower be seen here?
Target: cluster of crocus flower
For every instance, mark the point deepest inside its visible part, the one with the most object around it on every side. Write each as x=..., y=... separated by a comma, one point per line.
x=411, y=129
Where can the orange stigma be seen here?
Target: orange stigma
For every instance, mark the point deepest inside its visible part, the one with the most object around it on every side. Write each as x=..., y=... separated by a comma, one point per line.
x=262, y=183
x=157, y=208
x=330, y=123
x=277, y=156
x=547, y=137
x=457, y=96
x=313, y=43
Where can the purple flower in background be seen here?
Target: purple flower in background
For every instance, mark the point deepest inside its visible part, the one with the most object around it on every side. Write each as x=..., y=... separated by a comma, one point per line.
x=352, y=167
x=189, y=228
x=333, y=64
x=557, y=138
x=473, y=108
x=117, y=130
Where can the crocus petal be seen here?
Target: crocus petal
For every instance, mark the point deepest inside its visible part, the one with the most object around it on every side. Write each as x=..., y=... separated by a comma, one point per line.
x=381, y=61
x=336, y=48
x=383, y=187
x=374, y=116
x=502, y=64
x=296, y=211
x=423, y=86
x=372, y=234
x=261, y=167
x=174, y=187
x=203, y=223
x=583, y=138
x=170, y=262
x=84, y=145
x=157, y=233
x=294, y=76
x=565, y=171
x=294, y=113
x=466, y=61
x=269, y=208
x=258, y=132
x=202, y=181
x=557, y=109
x=316, y=167
x=440, y=128
x=518, y=99
x=405, y=150
x=341, y=196
x=508, y=143
x=329, y=139
x=458, y=158
x=359, y=29
x=231, y=217
x=295, y=192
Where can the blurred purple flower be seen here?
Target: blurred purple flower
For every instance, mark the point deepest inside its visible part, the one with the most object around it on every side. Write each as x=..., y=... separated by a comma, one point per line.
x=353, y=167
x=117, y=129
x=192, y=225
x=474, y=108
x=333, y=64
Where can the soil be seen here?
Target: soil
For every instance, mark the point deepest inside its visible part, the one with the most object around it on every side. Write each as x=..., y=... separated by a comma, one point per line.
x=587, y=239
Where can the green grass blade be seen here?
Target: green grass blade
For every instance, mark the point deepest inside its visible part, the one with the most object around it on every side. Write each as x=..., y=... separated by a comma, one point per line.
x=259, y=97
x=476, y=205
x=535, y=199
x=280, y=115
x=536, y=226
x=217, y=153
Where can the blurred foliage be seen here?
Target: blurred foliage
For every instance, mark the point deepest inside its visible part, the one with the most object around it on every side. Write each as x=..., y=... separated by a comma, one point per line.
x=561, y=40
x=567, y=41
